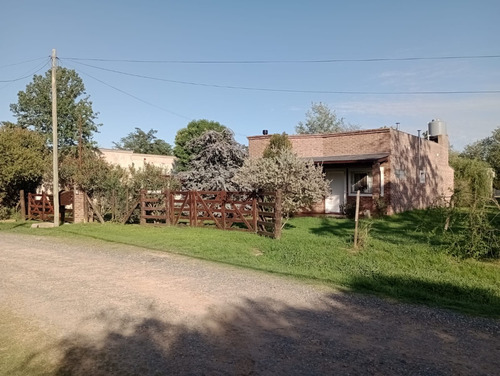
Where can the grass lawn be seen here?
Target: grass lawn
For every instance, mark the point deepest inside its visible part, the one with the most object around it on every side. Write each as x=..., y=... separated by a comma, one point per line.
x=404, y=258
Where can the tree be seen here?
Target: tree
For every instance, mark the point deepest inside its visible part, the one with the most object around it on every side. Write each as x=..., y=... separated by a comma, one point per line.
x=74, y=109
x=321, y=119
x=23, y=160
x=277, y=143
x=301, y=182
x=194, y=129
x=214, y=166
x=145, y=143
x=488, y=150
x=472, y=181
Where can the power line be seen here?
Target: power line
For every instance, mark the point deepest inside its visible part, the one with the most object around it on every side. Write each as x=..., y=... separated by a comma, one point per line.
x=314, y=61
x=28, y=75
x=296, y=90
x=135, y=97
x=22, y=62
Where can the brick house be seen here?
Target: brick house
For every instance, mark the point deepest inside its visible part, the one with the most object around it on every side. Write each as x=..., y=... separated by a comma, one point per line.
x=392, y=169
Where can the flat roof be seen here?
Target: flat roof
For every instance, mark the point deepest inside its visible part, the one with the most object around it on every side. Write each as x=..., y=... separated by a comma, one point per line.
x=349, y=158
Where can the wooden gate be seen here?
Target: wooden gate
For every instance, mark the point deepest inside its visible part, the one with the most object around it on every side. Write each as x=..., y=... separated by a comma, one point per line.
x=244, y=211
x=41, y=206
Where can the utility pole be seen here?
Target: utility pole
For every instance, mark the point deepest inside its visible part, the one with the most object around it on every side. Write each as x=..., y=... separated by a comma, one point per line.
x=55, y=161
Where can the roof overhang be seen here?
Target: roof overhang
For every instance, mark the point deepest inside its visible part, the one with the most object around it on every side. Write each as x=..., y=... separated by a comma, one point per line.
x=356, y=158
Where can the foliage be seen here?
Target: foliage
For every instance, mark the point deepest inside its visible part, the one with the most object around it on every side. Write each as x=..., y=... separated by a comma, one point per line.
x=321, y=119
x=472, y=180
x=218, y=158
x=145, y=143
x=302, y=183
x=23, y=160
x=193, y=130
x=277, y=143
x=488, y=150
x=34, y=108
x=479, y=238
x=91, y=173
x=151, y=177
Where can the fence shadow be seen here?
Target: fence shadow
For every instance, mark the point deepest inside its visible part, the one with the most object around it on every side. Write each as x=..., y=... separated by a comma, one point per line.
x=347, y=335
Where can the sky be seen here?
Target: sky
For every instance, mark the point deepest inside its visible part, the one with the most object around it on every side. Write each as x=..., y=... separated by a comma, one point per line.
x=260, y=64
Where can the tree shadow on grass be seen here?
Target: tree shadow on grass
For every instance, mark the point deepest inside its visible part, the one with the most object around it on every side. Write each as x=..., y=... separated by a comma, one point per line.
x=343, y=335
x=441, y=294
x=334, y=226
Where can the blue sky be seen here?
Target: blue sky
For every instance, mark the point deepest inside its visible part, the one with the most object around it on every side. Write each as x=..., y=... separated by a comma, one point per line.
x=264, y=31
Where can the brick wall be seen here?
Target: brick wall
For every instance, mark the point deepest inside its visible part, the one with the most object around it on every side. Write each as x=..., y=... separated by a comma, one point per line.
x=411, y=155
x=319, y=145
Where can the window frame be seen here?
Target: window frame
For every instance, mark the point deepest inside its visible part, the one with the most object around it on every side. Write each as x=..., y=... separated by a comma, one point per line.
x=368, y=172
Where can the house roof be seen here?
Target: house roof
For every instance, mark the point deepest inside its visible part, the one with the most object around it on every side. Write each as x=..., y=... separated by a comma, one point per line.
x=349, y=158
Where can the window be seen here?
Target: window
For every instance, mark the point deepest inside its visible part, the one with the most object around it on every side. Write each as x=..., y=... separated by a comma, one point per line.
x=360, y=180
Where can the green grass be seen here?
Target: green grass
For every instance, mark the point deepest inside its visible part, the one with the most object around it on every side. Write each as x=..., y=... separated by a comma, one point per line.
x=404, y=258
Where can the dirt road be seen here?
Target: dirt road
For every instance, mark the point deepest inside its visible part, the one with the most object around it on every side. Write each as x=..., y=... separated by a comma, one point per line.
x=105, y=309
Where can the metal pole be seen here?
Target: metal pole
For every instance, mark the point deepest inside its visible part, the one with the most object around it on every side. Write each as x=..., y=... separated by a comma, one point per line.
x=55, y=162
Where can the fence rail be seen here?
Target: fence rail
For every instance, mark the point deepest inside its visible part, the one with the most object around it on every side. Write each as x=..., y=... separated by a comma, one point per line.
x=41, y=206
x=258, y=212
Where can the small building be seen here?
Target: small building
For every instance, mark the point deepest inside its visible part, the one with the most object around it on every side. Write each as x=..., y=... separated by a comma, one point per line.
x=393, y=170
x=127, y=158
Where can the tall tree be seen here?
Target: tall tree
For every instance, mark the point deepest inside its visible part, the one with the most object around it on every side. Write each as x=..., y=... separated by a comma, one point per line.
x=321, y=119
x=23, y=159
x=74, y=108
x=145, y=143
x=488, y=150
x=218, y=159
x=194, y=129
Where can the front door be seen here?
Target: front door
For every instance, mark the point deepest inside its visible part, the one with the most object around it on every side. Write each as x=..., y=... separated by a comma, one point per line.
x=337, y=196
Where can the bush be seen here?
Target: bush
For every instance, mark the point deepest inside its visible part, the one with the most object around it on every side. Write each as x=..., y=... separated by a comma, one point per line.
x=479, y=239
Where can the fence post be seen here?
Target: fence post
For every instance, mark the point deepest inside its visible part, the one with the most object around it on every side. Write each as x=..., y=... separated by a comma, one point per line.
x=223, y=198
x=192, y=209
x=167, y=207
x=356, y=216
x=22, y=203
x=278, y=214
x=43, y=206
x=29, y=205
x=143, y=207
x=255, y=211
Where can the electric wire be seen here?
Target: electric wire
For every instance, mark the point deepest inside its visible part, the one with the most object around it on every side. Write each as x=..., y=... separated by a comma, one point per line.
x=22, y=62
x=440, y=92
x=27, y=75
x=133, y=96
x=314, y=61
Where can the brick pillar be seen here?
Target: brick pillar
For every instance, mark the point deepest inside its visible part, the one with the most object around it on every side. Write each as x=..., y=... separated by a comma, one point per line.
x=79, y=207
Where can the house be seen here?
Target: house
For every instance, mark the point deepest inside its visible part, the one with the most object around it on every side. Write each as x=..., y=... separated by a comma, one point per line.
x=393, y=170
x=126, y=159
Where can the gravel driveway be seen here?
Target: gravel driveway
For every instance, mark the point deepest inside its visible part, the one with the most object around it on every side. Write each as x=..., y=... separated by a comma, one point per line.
x=107, y=309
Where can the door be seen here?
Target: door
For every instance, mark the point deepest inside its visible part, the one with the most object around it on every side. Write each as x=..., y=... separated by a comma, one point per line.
x=337, y=196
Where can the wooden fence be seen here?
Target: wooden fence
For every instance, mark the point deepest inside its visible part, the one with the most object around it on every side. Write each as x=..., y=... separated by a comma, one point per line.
x=258, y=212
x=41, y=206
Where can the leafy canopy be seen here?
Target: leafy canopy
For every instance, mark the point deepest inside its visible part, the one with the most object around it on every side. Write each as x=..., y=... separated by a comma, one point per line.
x=214, y=165
x=301, y=182
x=145, y=143
x=74, y=108
x=277, y=143
x=321, y=119
x=23, y=160
x=194, y=129
x=488, y=150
